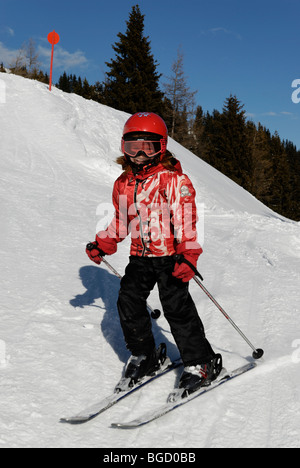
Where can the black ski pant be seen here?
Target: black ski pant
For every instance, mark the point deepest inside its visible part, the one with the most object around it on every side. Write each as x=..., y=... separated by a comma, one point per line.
x=141, y=275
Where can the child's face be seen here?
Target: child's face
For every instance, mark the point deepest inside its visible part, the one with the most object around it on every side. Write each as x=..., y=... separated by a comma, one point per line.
x=141, y=147
x=141, y=159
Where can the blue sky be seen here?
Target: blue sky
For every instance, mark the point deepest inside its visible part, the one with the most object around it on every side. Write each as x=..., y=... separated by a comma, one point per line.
x=246, y=48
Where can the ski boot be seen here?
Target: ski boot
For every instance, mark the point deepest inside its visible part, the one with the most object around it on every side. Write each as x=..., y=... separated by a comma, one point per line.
x=138, y=367
x=200, y=375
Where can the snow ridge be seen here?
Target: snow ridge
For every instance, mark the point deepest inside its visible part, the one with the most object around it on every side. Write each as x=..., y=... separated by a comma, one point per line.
x=61, y=346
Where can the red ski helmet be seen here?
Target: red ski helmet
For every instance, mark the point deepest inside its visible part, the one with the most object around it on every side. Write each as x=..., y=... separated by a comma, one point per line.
x=146, y=122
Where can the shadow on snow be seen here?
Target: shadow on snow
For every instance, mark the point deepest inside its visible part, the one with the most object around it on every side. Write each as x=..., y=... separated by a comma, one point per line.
x=101, y=284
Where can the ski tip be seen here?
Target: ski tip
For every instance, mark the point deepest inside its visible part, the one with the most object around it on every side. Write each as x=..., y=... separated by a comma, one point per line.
x=116, y=425
x=64, y=420
x=73, y=420
x=123, y=426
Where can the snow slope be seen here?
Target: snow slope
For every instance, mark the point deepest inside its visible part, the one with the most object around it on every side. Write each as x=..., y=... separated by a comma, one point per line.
x=61, y=346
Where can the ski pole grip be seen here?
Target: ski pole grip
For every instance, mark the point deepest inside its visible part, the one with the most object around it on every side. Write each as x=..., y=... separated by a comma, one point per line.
x=180, y=258
x=91, y=246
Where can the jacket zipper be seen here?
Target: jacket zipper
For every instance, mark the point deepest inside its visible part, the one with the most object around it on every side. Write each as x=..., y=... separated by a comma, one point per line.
x=139, y=216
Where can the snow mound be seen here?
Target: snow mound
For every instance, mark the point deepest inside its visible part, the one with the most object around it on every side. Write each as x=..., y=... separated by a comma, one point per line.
x=61, y=346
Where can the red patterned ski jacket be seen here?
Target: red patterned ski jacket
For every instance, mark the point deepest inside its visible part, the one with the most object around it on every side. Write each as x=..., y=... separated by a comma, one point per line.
x=157, y=206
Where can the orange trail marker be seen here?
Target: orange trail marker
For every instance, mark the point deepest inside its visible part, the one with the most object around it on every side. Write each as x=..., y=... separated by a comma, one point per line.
x=53, y=38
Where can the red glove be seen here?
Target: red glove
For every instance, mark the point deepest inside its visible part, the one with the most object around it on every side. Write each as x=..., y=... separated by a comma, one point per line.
x=182, y=270
x=94, y=252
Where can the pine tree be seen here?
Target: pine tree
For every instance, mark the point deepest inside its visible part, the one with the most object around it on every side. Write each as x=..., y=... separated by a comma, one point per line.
x=198, y=146
x=131, y=85
x=76, y=85
x=181, y=132
x=262, y=167
x=279, y=190
x=98, y=92
x=293, y=160
x=64, y=83
x=213, y=128
x=180, y=96
x=233, y=147
x=32, y=57
x=86, y=89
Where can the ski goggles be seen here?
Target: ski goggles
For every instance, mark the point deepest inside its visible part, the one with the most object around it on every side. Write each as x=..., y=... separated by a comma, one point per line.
x=150, y=148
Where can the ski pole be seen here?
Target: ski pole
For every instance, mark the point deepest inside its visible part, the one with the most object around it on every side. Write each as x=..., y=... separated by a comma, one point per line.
x=155, y=313
x=257, y=352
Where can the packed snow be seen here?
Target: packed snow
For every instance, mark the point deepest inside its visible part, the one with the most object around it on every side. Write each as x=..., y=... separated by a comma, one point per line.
x=61, y=346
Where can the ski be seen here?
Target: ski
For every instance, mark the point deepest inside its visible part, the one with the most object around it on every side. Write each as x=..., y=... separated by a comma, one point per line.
x=175, y=400
x=97, y=408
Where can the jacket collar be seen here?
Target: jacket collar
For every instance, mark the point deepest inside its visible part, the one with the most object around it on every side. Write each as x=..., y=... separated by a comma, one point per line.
x=150, y=169
x=147, y=171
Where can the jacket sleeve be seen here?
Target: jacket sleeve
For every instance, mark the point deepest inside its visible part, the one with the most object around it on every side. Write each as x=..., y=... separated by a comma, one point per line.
x=184, y=215
x=118, y=228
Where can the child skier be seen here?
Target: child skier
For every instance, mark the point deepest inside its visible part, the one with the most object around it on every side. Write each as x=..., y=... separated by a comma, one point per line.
x=155, y=201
